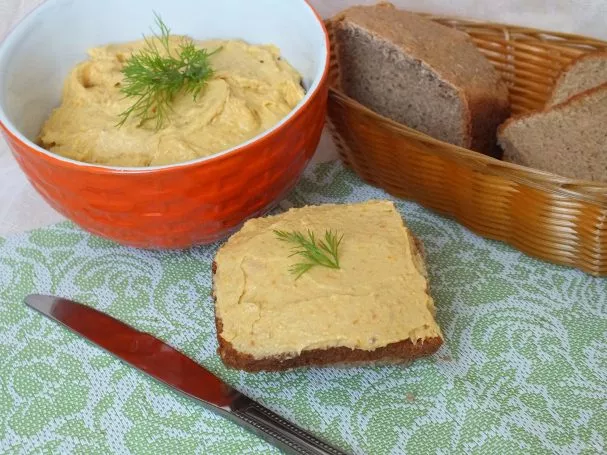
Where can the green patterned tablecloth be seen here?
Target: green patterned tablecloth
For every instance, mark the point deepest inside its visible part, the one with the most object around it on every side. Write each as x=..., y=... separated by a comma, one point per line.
x=523, y=369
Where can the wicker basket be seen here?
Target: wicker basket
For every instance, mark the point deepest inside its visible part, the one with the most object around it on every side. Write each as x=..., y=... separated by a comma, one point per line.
x=554, y=218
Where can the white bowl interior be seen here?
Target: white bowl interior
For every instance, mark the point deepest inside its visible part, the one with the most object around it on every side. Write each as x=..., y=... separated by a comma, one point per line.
x=38, y=54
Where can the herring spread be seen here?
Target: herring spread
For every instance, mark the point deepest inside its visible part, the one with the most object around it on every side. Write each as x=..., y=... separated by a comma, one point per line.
x=378, y=295
x=251, y=90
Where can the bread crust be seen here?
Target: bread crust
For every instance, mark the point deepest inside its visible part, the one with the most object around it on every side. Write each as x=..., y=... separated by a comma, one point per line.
x=552, y=161
x=486, y=115
x=402, y=351
x=569, y=67
x=578, y=97
x=398, y=352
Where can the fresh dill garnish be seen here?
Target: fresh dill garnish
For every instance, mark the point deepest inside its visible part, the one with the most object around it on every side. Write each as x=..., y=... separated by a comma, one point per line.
x=315, y=252
x=156, y=73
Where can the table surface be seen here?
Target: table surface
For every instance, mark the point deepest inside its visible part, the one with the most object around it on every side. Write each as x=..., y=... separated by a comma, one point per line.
x=21, y=208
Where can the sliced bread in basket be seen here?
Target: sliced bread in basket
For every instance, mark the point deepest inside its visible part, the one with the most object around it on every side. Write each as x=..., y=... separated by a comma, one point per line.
x=425, y=75
x=569, y=139
x=586, y=72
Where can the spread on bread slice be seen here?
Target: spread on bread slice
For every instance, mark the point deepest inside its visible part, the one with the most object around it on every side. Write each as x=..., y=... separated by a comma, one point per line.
x=373, y=307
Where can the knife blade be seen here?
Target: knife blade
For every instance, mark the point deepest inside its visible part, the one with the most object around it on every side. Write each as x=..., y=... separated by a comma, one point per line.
x=171, y=367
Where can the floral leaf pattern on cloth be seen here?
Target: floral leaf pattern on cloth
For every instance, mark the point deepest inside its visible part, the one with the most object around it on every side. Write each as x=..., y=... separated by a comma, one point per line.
x=523, y=368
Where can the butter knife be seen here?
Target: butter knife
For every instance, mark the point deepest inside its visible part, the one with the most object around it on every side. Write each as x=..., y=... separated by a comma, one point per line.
x=169, y=366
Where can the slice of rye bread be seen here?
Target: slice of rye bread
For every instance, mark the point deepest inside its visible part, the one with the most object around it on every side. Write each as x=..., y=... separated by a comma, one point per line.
x=425, y=75
x=586, y=72
x=569, y=139
x=399, y=352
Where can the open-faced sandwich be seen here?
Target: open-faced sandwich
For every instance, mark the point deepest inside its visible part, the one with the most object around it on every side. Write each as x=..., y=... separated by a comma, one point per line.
x=322, y=285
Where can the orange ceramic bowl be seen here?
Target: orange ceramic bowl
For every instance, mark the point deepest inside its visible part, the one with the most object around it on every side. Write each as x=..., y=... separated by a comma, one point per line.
x=174, y=206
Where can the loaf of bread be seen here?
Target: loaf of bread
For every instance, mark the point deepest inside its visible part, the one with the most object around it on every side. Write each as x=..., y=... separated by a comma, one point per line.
x=568, y=139
x=425, y=75
x=586, y=72
x=374, y=308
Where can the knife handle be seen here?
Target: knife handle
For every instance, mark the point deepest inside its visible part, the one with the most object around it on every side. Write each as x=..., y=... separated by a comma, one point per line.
x=276, y=430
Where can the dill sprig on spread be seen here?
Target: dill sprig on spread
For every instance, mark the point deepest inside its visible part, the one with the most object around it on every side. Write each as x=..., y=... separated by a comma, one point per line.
x=315, y=252
x=155, y=74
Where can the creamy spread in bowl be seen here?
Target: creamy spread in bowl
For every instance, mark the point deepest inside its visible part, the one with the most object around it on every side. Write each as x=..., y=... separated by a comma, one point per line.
x=251, y=90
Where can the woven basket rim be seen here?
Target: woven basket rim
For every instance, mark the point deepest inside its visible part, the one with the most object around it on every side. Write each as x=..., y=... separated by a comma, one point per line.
x=510, y=27
x=586, y=190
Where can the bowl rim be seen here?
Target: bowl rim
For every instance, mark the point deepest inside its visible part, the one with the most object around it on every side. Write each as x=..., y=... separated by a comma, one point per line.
x=317, y=86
